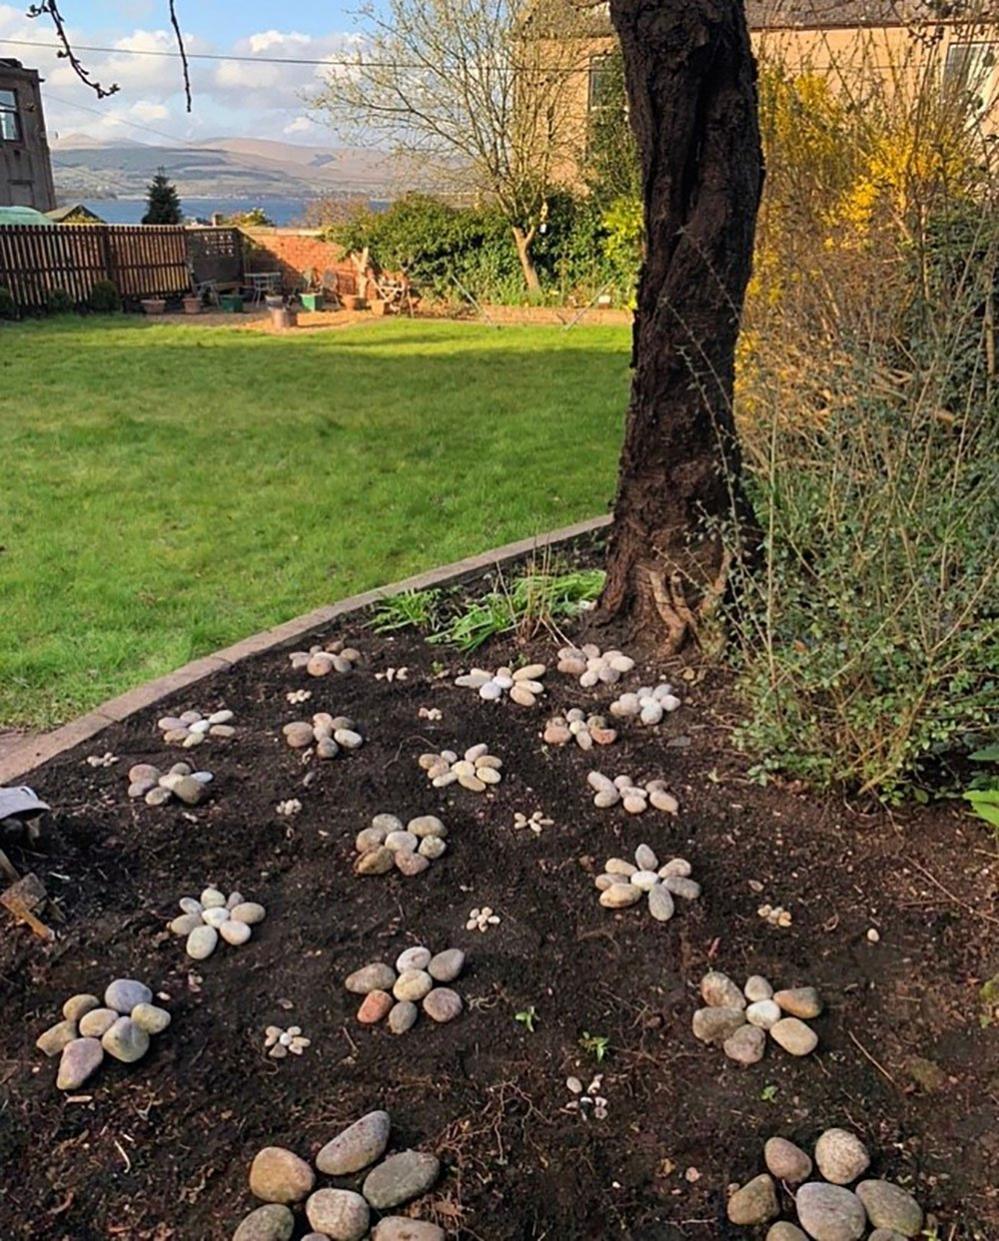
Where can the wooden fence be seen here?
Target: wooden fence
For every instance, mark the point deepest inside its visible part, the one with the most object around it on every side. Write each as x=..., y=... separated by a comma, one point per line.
x=141, y=261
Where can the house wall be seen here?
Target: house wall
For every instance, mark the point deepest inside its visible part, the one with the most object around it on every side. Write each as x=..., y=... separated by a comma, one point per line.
x=25, y=164
x=903, y=56
x=292, y=251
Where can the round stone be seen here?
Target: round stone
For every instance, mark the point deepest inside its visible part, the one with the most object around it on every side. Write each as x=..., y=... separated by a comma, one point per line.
x=400, y=1178
x=326, y=747
x=189, y=905
x=746, y=1045
x=358, y=1146
x=841, y=1157
x=757, y=988
x=299, y=734
x=79, y=1059
x=416, y=958
x=447, y=965
x=679, y=885
x=374, y=977
x=124, y=993
x=185, y=923
x=212, y=898
x=369, y=839
x=77, y=1005
x=151, y=1018
x=386, y=823
x=190, y=791
x=720, y=991
x=665, y=801
x=157, y=797
x=715, y=1025
x=339, y=1214
x=675, y=866
x=891, y=1207
x=620, y=866
x=377, y=861
x=755, y=1202
x=125, y=1040
x=763, y=1013
x=830, y=1213
x=661, y=905
x=645, y=880
x=783, y=1231
x=98, y=1021
x=279, y=1175
x=56, y=1037
x=215, y=916
x=412, y=985
x=409, y=863
x=794, y=1036
x=201, y=942
x=249, y=912
x=399, y=1228
x=442, y=1004
x=142, y=772
x=402, y=1017
x=645, y=859
x=786, y=1161
x=348, y=738
x=235, y=932
x=432, y=847
x=426, y=825
x=374, y=1006
x=272, y=1222
x=620, y=896
x=803, y=1002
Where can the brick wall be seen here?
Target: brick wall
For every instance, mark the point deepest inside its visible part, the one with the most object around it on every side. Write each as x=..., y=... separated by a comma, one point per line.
x=292, y=251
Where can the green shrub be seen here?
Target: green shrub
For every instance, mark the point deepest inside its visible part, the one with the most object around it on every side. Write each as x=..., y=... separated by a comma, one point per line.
x=59, y=302
x=104, y=297
x=8, y=307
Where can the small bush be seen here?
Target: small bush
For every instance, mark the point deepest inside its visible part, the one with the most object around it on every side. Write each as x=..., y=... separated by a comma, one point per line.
x=59, y=302
x=104, y=297
x=8, y=307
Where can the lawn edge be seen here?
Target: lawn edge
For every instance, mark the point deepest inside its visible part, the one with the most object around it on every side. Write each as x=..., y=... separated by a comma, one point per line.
x=31, y=754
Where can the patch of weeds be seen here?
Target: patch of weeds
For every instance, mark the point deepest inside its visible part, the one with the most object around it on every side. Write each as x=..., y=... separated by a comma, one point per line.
x=536, y=600
x=528, y=1018
x=413, y=609
x=598, y=1045
x=769, y=1093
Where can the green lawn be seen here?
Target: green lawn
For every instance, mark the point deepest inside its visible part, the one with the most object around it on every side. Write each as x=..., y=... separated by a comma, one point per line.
x=168, y=489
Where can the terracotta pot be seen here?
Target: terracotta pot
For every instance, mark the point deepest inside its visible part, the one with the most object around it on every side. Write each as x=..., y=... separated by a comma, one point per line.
x=283, y=318
x=192, y=305
x=354, y=301
x=154, y=305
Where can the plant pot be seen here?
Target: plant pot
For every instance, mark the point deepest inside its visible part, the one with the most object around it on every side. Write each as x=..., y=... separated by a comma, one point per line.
x=379, y=306
x=311, y=301
x=231, y=303
x=283, y=318
x=354, y=301
x=192, y=305
x=154, y=305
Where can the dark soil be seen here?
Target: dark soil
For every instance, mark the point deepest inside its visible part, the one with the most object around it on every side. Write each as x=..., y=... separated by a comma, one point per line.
x=161, y=1149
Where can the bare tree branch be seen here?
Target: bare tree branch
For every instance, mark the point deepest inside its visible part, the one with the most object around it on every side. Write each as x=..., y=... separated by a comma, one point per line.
x=183, y=52
x=51, y=9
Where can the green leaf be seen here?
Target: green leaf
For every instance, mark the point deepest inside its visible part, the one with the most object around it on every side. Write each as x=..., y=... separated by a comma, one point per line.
x=989, y=755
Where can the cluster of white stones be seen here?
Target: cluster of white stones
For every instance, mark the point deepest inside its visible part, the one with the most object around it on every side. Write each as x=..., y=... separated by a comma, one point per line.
x=298, y=696
x=523, y=685
x=775, y=915
x=623, y=884
x=190, y=728
x=320, y=661
x=212, y=915
x=536, y=822
x=634, y=797
x=826, y=1209
x=588, y=730
x=481, y=919
x=395, y=993
x=280, y=1043
x=650, y=703
x=329, y=733
x=476, y=770
x=122, y=1027
x=410, y=849
x=282, y=1181
x=593, y=667
x=156, y=787
x=587, y=1101
x=741, y=1019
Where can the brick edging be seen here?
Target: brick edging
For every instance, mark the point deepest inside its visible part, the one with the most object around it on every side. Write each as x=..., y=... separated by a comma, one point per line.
x=30, y=754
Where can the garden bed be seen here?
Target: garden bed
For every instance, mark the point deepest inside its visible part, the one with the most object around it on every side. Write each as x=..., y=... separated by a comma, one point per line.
x=892, y=918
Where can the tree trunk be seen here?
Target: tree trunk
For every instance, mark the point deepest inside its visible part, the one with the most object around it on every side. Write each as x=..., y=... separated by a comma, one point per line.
x=691, y=82
x=523, y=241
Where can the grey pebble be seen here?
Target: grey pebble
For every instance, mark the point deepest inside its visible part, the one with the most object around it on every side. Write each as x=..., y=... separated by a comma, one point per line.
x=442, y=1004
x=374, y=977
x=446, y=966
x=746, y=1045
x=79, y=1059
x=715, y=1025
x=124, y=993
x=787, y=1161
x=755, y=1202
x=830, y=1212
x=720, y=991
x=400, y=1178
x=840, y=1156
x=340, y=1214
x=272, y=1222
x=357, y=1147
x=125, y=1040
x=402, y=1016
x=890, y=1206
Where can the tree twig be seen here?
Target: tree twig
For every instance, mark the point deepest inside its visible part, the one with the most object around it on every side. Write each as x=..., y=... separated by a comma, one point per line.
x=51, y=9
x=183, y=52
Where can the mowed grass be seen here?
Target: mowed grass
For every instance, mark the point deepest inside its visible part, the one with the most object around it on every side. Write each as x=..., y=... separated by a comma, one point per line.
x=168, y=489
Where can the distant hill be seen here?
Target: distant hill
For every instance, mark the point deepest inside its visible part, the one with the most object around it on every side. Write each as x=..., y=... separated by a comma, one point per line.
x=218, y=168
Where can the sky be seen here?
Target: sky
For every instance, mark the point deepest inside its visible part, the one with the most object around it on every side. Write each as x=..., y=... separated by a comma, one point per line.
x=230, y=98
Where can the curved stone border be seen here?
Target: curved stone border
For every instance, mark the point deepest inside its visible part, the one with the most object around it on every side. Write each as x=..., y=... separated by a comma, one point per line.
x=30, y=754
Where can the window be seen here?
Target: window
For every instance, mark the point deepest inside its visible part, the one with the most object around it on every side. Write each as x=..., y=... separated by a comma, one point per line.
x=10, y=125
x=971, y=69
x=602, y=84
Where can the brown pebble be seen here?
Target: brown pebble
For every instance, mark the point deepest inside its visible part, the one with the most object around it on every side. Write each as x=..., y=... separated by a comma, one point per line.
x=374, y=1006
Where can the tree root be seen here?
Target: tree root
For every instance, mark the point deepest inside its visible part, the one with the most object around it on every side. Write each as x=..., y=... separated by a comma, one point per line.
x=680, y=619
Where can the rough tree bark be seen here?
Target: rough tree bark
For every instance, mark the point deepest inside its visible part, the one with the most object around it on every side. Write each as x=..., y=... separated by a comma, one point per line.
x=523, y=241
x=691, y=81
